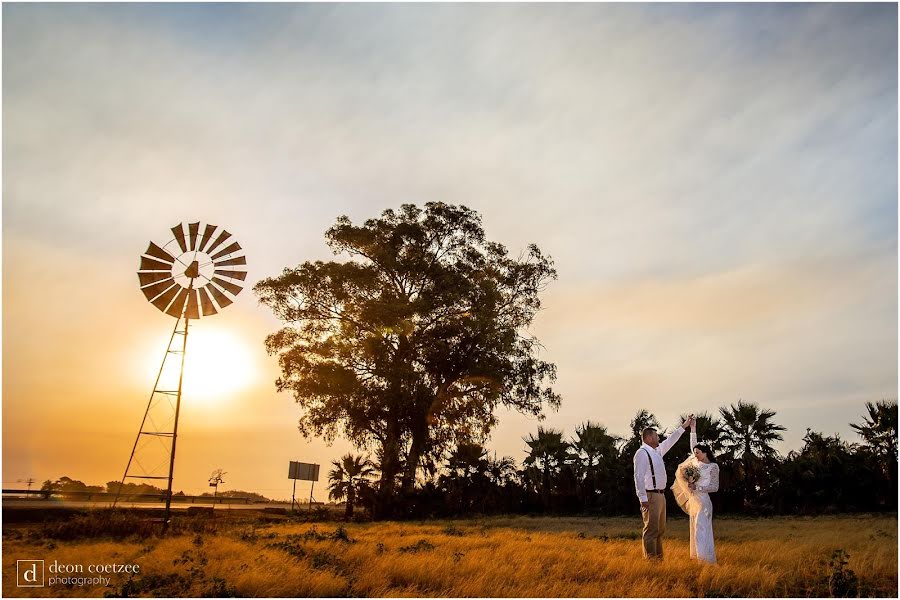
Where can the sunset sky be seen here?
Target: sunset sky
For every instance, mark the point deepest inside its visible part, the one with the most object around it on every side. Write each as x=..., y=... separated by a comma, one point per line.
x=716, y=184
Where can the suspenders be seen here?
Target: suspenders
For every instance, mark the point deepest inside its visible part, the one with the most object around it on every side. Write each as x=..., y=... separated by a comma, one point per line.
x=652, y=471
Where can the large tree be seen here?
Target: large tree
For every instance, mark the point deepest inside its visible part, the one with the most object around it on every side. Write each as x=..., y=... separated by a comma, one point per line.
x=410, y=344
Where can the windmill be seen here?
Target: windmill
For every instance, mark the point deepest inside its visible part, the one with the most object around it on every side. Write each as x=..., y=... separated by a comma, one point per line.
x=193, y=274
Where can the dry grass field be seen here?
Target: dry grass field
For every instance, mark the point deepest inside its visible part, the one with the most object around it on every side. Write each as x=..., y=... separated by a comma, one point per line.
x=506, y=556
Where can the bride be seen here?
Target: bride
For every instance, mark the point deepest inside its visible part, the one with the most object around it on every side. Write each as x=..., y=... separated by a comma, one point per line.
x=693, y=496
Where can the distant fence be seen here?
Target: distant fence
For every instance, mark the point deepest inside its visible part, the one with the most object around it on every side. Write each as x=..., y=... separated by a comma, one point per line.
x=110, y=496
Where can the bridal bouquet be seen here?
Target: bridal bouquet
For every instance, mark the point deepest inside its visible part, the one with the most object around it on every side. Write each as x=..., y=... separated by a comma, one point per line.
x=691, y=473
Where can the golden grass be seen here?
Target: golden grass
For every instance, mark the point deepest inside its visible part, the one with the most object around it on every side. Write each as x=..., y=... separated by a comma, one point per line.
x=505, y=557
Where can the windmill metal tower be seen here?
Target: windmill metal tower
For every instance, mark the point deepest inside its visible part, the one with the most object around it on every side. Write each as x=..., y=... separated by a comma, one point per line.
x=195, y=273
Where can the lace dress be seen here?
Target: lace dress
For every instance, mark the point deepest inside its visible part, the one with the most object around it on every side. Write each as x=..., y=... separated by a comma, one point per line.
x=697, y=504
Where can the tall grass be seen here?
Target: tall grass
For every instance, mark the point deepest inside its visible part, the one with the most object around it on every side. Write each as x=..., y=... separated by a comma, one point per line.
x=510, y=557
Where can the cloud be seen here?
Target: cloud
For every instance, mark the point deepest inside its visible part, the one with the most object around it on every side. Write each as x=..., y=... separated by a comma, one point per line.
x=717, y=184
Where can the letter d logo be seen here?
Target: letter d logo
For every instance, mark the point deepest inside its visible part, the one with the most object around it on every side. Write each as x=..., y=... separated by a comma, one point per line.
x=29, y=573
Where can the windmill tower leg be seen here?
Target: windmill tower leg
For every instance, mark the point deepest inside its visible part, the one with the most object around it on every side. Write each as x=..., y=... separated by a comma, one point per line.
x=175, y=429
x=149, y=428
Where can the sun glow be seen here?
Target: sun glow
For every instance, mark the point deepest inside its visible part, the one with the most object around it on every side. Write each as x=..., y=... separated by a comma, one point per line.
x=218, y=365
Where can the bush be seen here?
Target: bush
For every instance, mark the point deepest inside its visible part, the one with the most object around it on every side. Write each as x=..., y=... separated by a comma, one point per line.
x=842, y=582
x=420, y=546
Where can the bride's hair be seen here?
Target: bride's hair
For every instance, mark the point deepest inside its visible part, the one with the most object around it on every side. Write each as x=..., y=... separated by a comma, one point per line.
x=707, y=451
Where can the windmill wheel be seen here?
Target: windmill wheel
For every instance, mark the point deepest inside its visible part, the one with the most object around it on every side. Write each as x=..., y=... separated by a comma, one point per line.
x=193, y=273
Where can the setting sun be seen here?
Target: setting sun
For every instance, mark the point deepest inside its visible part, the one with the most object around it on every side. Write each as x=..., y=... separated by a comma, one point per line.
x=218, y=364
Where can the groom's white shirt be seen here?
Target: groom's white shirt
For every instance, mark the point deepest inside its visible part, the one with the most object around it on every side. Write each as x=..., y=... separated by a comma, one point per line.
x=643, y=478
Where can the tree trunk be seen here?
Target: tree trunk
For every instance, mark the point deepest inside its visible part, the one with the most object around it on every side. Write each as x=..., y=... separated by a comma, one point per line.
x=545, y=492
x=419, y=439
x=390, y=467
x=351, y=496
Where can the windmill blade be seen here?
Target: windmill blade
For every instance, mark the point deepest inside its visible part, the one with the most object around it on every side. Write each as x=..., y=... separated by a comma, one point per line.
x=231, y=249
x=162, y=302
x=157, y=276
x=193, y=228
x=192, y=311
x=222, y=237
x=178, y=230
x=153, y=277
x=149, y=264
x=152, y=291
x=157, y=252
x=207, y=233
x=221, y=298
x=227, y=286
x=240, y=260
x=206, y=304
x=178, y=304
x=242, y=275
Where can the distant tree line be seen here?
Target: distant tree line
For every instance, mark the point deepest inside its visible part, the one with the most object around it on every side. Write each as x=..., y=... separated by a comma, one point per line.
x=67, y=485
x=591, y=472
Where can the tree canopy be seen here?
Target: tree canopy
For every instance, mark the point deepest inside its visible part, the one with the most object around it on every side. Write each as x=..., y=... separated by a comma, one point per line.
x=410, y=344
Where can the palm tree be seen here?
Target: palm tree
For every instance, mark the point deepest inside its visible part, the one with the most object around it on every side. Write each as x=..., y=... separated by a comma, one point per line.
x=501, y=476
x=501, y=471
x=548, y=452
x=346, y=476
x=879, y=431
x=593, y=446
x=641, y=421
x=879, y=428
x=466, y=481
x=467, y=460
x=709, y=431
x=592, y=442
x=749, y=435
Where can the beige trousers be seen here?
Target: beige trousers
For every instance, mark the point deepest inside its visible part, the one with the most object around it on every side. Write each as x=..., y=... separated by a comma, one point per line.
x=654, y=526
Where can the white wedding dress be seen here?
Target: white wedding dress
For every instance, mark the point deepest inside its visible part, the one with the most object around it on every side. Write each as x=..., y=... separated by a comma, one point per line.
x=697, y=504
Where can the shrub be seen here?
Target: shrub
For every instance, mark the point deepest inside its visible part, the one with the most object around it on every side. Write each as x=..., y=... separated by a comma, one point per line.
x=219, y=588
x=842, y=582
x=420, y=546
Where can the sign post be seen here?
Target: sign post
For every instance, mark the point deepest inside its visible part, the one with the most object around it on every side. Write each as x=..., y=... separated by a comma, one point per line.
x=305, y=472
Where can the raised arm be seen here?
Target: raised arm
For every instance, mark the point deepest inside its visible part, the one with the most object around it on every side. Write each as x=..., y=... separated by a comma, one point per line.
x=693, y=442
x=713, y=480
x=676, y=435
x=670, y=441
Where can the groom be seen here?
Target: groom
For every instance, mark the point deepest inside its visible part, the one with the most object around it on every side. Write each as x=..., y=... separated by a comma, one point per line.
x=650, y=485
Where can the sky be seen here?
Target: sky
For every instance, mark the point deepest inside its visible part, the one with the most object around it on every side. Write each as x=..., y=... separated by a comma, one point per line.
x=716, y=184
